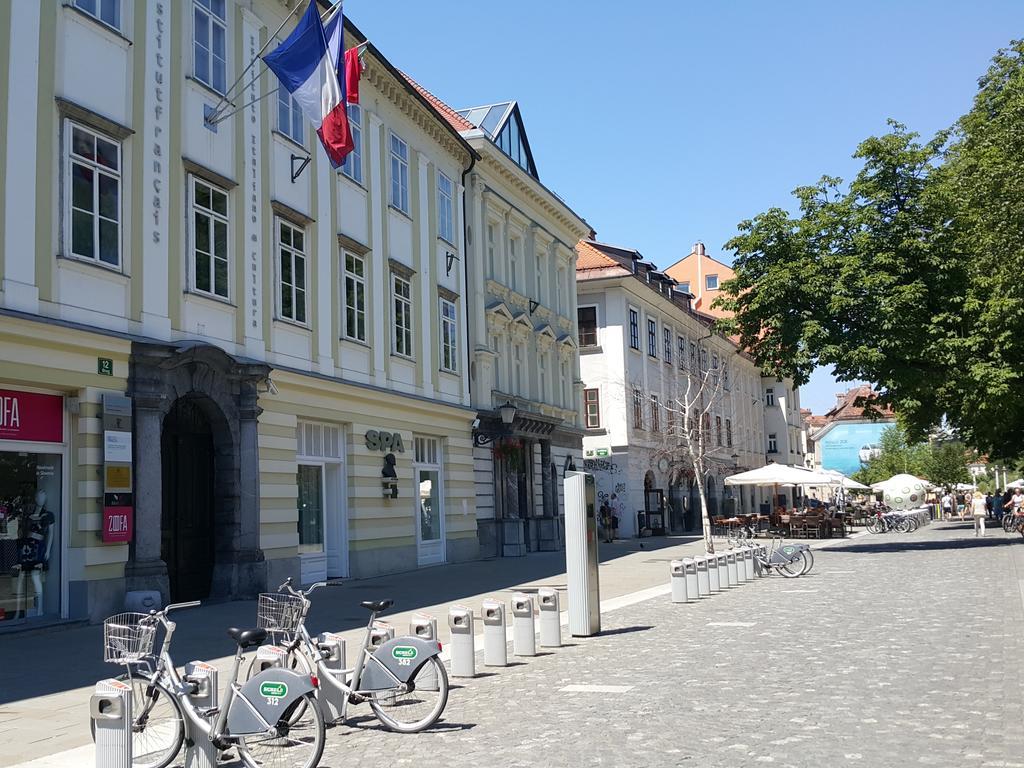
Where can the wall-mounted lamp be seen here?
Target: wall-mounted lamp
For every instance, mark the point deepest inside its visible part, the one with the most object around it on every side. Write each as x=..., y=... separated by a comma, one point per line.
x=482, y=437
x=449, y=259
x=533, y=305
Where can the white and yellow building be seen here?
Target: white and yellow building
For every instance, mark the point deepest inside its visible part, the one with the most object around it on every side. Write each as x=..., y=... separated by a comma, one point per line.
x=293, y=339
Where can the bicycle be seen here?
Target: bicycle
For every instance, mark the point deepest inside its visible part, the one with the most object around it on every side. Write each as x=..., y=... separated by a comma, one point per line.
x=789, y=560
x=402, y=680
x=258, y=717
x=1012, y=521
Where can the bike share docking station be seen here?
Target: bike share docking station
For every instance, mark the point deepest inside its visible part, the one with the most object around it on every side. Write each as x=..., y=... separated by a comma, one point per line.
x=200, y=752
x=524, y=633
x=550, y=618
x=495, y=633
x=110, y=708
x=463, y=643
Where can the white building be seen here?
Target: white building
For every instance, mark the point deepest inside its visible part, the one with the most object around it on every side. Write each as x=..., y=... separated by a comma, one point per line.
x=639, y=343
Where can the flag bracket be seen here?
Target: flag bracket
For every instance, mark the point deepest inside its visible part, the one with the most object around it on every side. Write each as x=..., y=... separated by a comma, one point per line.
x=303, y=162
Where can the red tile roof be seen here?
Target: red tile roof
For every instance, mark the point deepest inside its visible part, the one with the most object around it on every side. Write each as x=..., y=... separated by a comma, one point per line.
x=455, y=120
x=847, y=408
x=589, y=257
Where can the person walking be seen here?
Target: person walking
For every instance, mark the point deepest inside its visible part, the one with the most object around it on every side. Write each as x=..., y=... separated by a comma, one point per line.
x=947, y=505
x=606, y=523
x=979, y=513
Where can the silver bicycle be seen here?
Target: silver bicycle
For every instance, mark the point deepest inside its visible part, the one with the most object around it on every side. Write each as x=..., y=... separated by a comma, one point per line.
x=402, y=680
x=268, y=718
x=789, y=560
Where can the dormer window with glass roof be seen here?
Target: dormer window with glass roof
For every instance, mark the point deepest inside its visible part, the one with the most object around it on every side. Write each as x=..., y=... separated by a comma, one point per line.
x=504, y=126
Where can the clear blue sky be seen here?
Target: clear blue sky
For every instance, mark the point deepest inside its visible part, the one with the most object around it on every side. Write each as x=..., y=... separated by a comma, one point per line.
x=665, y=122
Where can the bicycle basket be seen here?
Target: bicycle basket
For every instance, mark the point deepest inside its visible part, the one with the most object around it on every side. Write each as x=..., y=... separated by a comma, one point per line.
x=126, y=639
x=276, y=612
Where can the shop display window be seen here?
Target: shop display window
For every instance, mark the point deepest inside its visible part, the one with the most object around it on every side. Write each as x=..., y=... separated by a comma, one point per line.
x=30, y=533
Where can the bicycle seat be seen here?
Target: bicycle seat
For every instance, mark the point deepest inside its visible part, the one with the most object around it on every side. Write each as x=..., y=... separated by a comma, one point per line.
x=248, y=638
x=377, y=605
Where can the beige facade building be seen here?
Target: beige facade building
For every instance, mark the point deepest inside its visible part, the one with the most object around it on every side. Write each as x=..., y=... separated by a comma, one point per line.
x=522, y=335
x=291, y=339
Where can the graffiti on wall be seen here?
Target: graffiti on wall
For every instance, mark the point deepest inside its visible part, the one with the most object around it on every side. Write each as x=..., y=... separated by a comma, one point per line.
x=600, y=465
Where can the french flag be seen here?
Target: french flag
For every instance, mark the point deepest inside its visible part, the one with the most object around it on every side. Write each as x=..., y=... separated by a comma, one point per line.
x=309, y=72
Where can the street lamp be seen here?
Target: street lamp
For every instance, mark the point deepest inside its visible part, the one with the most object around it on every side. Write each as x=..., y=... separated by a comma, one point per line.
x=482, y=437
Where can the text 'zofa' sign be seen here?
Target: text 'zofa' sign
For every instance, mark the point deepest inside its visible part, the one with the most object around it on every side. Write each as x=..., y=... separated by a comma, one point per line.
x=117, y=524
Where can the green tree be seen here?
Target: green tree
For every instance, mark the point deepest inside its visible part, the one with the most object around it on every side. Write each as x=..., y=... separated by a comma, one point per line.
x=909, y=277
x=945, y=464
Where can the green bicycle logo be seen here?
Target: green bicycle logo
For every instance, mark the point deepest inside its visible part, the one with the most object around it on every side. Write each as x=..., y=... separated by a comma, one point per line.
x=403, y=652
x=273, y=690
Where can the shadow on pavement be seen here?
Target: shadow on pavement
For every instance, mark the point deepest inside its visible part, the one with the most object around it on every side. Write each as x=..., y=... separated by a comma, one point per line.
x=624, y=630
x=75, y=655
x=887, y=543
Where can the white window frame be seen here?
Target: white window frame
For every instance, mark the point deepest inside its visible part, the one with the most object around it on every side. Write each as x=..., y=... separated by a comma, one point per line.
x=517, y=364
x=513, y=269
x=295, y=129
x=681, y=342
x=538, y=264
x=399, y=191
x=638, y=409
x=597, y=326
x=491, y=250
x=97, y=13
x=294, y=256
x=773, y=443
x=401, y=309
x=592, y=416
x=769, y=397
x=214, y=217
x=711, y=282
x=353, y=165
x=97, y=169
x=445, y=208
x=655, y=413
x=448, y=313
x=358, y=283
x=652, y=338
x=634, y=328
x=205, y=7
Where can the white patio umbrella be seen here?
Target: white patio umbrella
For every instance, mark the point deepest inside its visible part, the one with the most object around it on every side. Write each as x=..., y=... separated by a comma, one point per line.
x=778, y=474
x=840, y=479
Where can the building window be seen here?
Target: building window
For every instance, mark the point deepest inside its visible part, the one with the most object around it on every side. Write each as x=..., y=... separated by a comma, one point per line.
x=209, y=35
x=592, y=408
x=517, y=361
x=210, y=239
x=714, y=360
x=634, y=329
x=667, y=338
x=445, y=223
x=693, y=356
x=107, y=11
x=538, y=274
x=684, y=287
x=769, y=396
x=542, y=376
x=681, y=344
x=513, y=265
x=728, y=433
x=564, y=372
x=399, y=174
x=586, y=317
x=427, y=453
x=95, y=170
x=638, y=409
x=353, y=165
x=725, y=376
x=559, y=282
x=703, y=359
x=401, y=296
x=652, y=338
x=773, y=443
x=490, y=252
x=496, y=346
x=290, y=120
x=449, y=336
x=655, y=414
x=355, y=297
x=292, y=293
x=711, y=282
x=718, y=431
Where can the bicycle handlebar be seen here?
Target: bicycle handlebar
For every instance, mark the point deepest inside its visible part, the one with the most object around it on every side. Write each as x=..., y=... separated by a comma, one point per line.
x=161, y=615
x=287, y=587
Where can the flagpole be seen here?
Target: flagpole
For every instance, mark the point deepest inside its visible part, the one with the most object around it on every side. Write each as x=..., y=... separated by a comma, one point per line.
x=214, y=117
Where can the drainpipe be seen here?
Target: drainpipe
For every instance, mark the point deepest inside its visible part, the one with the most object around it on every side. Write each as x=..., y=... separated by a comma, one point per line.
x=465, y=272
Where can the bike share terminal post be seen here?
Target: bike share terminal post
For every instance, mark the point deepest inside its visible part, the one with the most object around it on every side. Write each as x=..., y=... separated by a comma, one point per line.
x=110, y=708
x=495, y=638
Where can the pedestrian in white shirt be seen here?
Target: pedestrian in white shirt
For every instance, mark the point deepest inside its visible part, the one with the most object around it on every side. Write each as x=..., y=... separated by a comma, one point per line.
x=980, y=513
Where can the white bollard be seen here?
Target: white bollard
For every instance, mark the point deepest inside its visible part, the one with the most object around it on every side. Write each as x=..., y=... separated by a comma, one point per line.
x=524, y=633
x=703, y=578
x=463, y=646
x=332, y=699
x=748, y=564
x=690, y=569
x=201, y=753
x=714, y=576
x=734, y=571
x=110, y=708
x=677, y=578
x=268, y=656
x=495, y=637
x=550, y=618
x=380, y=634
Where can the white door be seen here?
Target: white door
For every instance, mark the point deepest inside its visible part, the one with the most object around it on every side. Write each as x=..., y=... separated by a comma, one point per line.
x=311, y=506
x=337, y=522
x=429, y=516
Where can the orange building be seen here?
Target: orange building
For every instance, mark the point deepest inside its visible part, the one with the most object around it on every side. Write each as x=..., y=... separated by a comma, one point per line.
x=701, y=276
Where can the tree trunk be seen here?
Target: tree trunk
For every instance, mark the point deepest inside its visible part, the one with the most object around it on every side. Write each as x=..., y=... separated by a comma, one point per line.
x=705, y=517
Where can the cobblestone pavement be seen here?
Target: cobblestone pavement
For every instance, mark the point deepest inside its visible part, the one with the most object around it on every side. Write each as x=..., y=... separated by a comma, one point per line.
x=889, y=653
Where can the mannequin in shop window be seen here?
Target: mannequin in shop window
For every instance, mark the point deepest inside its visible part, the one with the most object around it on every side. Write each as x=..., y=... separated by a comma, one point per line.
x=34, y=544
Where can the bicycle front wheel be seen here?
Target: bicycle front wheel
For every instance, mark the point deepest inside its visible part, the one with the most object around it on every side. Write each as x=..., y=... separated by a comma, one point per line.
x=419, y=707
x=1008, y=523
x=158, y=724
x=299, y=742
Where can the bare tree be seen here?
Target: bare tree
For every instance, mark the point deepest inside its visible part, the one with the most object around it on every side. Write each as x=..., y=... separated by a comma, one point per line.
x=692, y=434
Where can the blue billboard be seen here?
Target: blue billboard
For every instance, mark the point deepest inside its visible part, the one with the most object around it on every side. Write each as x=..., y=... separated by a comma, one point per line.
x=847, y=447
